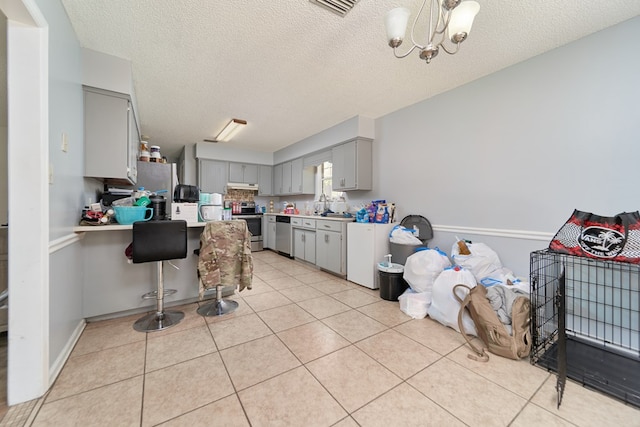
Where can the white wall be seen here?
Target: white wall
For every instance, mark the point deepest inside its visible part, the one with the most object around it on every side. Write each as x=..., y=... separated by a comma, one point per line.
x=349, y=129
x=3, y=121
x=221, y=151
x=521, y=148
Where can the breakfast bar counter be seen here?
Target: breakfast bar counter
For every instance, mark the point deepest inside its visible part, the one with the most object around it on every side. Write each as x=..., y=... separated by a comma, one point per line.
x=113, y=285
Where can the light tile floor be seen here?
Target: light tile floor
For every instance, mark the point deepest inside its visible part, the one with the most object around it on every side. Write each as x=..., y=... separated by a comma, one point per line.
x=306, y=349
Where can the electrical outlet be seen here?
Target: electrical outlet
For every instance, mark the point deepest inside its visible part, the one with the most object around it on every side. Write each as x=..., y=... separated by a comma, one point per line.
x=65, y=142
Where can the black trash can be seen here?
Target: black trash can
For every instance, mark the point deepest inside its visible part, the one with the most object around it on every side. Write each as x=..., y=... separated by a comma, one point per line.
x=392, y=285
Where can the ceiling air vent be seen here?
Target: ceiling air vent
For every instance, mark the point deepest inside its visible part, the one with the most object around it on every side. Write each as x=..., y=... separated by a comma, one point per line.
x=341, y=7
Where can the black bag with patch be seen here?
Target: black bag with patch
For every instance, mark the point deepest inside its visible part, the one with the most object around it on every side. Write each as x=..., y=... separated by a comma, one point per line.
x=614, y=238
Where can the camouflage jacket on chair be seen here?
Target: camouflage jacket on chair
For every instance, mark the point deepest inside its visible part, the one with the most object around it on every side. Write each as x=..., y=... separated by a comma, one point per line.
x=225, y=255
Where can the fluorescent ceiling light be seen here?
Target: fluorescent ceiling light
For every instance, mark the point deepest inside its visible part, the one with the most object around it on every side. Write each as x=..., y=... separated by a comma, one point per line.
x=232, y=128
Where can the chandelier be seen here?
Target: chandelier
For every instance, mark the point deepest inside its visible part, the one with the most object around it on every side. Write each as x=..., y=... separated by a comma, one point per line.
x=449, y=20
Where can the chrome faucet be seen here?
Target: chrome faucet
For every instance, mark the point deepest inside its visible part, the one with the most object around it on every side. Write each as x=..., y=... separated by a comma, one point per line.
x=323, y=199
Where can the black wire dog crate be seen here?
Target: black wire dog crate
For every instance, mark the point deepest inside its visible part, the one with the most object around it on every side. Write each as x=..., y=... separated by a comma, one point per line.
x=585, y=322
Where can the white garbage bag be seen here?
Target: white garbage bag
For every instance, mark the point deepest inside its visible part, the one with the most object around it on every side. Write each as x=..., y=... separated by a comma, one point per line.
x=403, y=236
x=444, y=306
x=414, y=304
x=482, y=261
x=422, y=268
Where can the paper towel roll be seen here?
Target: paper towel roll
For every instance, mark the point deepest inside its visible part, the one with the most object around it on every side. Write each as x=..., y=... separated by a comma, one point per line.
x=216, y=199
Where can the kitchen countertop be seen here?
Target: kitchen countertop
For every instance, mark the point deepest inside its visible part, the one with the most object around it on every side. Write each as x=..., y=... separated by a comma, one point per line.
x=329, y=218
x=115, y=227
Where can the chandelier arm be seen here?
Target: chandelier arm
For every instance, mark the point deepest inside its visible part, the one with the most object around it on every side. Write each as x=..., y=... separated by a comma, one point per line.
x=413, y=27
x=433, y=31
x=446, y=24
x=442, y=39
x=395, y=51
x=452, y=52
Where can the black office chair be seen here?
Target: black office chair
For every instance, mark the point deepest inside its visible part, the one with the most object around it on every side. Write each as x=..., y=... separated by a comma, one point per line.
x=159, y=241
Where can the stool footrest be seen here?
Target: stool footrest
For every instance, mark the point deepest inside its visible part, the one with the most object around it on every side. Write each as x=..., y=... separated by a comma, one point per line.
x=154, y=294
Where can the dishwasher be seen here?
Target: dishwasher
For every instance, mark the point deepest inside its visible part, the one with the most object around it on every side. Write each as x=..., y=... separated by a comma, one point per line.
x=283, y=234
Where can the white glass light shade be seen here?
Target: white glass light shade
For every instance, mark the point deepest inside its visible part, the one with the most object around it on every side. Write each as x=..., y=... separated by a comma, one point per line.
x=462, y=19
x=396, y=23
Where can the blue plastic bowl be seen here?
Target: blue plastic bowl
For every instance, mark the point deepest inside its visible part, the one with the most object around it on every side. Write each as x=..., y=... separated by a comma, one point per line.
x=127, y=215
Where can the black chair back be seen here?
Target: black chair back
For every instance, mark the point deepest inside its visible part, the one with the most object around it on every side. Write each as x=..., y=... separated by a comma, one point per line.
x=159, y=240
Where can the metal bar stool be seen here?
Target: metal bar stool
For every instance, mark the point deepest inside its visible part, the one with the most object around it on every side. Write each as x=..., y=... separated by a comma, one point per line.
x=158, y=241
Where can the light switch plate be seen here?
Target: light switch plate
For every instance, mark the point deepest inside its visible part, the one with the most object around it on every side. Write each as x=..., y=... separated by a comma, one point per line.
x=65, y=142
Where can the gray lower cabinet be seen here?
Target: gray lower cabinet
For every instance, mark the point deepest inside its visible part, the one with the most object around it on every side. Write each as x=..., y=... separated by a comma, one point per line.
x=304, y=245
x=269, y=235
x=331, y=246
x=111, y=136
x=212, y=175
x=304, y=239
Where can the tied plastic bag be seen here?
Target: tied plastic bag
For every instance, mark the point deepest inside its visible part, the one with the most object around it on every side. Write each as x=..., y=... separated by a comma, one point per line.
x=403, y=236
x=482, y=261
x=414, y=304
x=444, y=306
x=422, y=268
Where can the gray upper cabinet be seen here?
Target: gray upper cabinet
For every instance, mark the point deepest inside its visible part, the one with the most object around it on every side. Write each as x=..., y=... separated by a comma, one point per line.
x=293, y=178
x=352, y=165
x=212, y=175
x=277, y=180
x=286, y=178
x=243, y=173
x=111, y=136
x=265, y=180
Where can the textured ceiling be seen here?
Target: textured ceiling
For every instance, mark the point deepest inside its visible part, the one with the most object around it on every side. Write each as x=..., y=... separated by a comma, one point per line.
x=292, y=69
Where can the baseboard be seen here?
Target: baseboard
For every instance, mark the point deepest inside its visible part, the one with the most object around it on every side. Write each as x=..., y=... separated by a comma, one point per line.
x=57, y=366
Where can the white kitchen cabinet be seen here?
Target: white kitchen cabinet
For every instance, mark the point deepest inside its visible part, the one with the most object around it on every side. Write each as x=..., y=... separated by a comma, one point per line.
x=352, y=165
x=304, y=238
x=243, y=173
x=367, y=244
x=111, y=136
x=265, y=180
x=331, y=246
x=270, y=233
x=212, y=175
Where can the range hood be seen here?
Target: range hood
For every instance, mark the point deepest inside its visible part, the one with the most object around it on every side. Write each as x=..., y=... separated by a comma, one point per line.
x=241, y=186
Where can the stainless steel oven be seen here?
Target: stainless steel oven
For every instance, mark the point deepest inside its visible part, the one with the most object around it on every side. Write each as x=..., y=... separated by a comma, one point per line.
x=254, y=222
